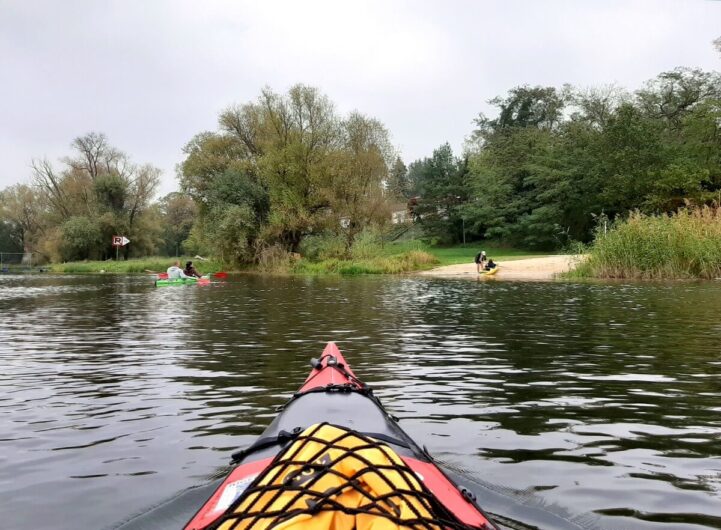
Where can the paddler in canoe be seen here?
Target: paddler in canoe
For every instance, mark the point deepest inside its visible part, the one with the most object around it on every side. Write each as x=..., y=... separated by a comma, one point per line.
x=190, y=270
x=175, y=272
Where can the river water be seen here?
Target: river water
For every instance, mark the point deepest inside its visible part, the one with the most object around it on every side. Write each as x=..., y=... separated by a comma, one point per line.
x=602, y=401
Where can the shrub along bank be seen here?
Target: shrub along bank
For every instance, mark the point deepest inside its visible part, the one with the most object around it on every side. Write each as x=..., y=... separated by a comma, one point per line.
x=686, y=244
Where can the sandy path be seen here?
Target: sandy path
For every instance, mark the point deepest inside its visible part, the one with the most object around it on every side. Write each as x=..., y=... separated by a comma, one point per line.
x=523, y=269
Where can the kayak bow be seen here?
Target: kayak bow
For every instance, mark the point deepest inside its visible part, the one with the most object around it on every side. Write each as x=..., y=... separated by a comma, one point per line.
x=332, y=399
x=333, y=395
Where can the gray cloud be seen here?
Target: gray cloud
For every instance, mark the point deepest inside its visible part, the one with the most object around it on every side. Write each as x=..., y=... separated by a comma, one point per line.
x=152, y=74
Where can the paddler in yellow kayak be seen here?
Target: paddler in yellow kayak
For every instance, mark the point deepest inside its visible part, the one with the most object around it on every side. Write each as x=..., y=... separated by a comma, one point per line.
x=491, y=268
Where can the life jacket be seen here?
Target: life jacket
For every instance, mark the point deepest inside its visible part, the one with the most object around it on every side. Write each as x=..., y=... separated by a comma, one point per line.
x=331, y=478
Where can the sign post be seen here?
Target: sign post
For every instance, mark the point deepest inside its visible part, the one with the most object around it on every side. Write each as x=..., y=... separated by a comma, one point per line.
x=119, y=241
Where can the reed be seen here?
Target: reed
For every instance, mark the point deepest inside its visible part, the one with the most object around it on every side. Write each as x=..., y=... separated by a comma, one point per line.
x=685, y=244
x=406, y=262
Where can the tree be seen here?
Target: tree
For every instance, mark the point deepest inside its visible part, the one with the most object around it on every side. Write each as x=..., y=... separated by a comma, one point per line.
x=232, y=202
x=514, y=181
x=102, y=185
x=355, y=189
x=398, y=185
x=81, y=239
x=291, y=138
x=532, y=181
x=178, y=212
x=539, y=176
x=524, y=106
x=291, y=165
x=441, y=182
x=595, y=106
x=700, y=141
x=672, y=95
x=10, y=239
x=21, y=213
x=208, y=155
x=141, y=188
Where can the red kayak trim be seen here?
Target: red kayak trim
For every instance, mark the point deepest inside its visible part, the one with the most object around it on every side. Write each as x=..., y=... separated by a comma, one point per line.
x=330, y=369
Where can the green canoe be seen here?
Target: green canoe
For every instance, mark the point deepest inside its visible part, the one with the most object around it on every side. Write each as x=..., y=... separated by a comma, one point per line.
x=182, y=281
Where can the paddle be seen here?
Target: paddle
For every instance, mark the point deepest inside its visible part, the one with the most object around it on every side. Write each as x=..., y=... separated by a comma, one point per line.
x=220, y=275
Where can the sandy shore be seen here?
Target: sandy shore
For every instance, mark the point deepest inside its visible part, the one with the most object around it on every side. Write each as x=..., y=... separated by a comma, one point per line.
x=545, y=268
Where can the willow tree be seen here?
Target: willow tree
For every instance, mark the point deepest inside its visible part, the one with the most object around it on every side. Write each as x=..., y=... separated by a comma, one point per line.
x=290, y=139
x=282, y=167
x=360, y=166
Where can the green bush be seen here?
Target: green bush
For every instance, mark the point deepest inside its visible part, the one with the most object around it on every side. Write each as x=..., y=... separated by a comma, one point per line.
x=274, y=259
x=323, y=247
x=367, y=244
x=81, y=238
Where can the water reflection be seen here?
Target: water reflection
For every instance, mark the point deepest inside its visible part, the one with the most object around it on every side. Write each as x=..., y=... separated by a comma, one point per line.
x=597, y=398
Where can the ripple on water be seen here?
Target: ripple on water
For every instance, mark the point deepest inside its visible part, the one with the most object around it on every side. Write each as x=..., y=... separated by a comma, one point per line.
x=595, y=399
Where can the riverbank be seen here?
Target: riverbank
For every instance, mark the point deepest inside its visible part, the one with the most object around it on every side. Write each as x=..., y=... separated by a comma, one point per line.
x=133, y=266
x=392, y=258
x=405, y=257
x=537, y=268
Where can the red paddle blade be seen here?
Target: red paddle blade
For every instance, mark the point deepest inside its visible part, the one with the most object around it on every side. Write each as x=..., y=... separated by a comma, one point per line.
x=221, y=275
x=162, y=276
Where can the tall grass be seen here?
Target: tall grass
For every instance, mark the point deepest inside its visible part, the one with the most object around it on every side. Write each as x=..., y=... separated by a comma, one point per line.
x=406, y=262
x=686, y=244
x=369, y=254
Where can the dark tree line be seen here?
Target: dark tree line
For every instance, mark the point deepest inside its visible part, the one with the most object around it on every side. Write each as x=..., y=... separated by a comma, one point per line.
x=551, y=161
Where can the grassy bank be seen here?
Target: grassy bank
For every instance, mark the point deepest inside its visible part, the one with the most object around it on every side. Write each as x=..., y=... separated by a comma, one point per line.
x=389, y=258
x=686, y=244
x=133, y=266
x=461, y=253
x=408, y=256
x=465, y=253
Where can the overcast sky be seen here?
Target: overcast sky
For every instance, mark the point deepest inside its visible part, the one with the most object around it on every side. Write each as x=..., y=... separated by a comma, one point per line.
x=151, y=74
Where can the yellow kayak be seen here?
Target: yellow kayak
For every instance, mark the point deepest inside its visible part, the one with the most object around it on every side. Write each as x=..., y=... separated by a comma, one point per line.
x=491, y=272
